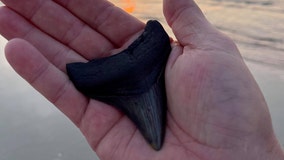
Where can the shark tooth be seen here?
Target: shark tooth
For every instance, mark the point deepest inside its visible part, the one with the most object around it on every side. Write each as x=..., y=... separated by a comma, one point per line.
x=132, y=81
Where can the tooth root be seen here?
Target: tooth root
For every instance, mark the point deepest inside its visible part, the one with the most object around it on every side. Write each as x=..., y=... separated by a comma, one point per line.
x=132, y=81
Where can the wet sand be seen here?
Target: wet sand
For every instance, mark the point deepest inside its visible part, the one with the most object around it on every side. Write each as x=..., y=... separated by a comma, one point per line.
x=31, y=128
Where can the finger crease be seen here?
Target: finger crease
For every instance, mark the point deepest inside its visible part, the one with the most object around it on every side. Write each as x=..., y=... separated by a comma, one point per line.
x=177, y=14
x=74, y=31
x=36, y=9
x=28, y=33
x=131, y=138
x=39, y=73
x=59, y=93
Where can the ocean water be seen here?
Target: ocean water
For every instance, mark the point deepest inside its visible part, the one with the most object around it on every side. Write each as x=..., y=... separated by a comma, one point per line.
x=31, y=128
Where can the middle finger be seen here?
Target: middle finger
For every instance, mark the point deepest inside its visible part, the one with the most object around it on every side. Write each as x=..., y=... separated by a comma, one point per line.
x=59, y=23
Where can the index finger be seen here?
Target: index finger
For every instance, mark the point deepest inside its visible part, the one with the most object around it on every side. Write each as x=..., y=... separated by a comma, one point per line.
x=111, y=21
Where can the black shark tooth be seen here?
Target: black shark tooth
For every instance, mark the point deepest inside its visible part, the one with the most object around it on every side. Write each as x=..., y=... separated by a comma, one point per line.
x=132, y=81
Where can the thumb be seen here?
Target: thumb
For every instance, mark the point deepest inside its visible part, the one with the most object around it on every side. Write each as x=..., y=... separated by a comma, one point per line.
x=186, y=20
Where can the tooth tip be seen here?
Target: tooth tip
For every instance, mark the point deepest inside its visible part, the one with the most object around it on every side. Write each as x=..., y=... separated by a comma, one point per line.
x=147, y=111
x=156, y=144
x=156, y=147
x=152, y=115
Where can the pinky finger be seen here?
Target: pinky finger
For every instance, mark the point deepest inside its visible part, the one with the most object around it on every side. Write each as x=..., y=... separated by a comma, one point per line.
x=51, y=82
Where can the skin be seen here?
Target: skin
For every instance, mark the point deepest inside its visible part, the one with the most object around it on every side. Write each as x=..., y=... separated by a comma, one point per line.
x=216, y=110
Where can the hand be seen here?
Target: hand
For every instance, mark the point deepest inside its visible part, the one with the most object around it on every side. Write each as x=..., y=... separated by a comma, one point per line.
x=216, y=110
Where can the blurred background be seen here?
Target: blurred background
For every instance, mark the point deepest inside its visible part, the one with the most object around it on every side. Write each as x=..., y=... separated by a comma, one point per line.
x=32, y=128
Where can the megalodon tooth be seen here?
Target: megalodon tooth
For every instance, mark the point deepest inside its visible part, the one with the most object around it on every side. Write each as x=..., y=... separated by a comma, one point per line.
x=132, y=81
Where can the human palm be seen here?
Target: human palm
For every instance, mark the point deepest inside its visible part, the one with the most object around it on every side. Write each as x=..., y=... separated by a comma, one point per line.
x=215, y=109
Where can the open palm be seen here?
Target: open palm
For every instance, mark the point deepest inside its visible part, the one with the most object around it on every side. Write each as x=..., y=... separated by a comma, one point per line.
x=216, y=110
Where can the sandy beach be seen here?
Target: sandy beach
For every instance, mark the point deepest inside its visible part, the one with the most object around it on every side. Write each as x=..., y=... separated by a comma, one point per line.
x=32, y=128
